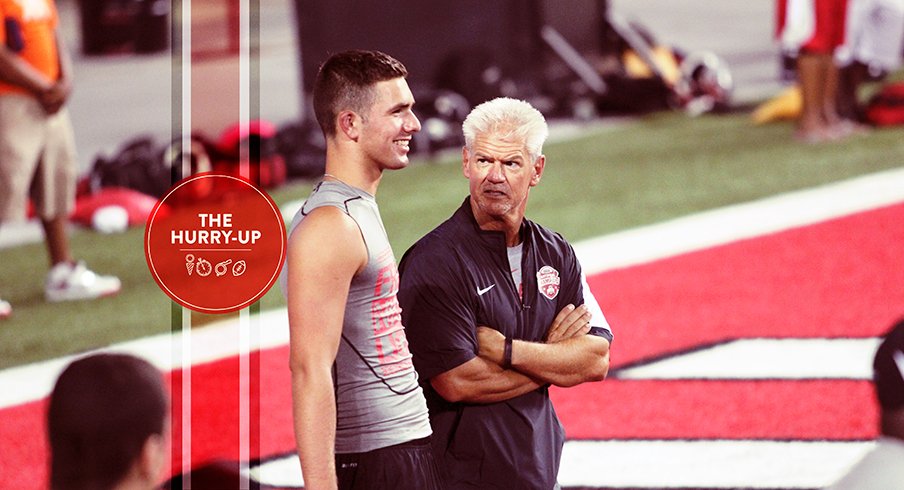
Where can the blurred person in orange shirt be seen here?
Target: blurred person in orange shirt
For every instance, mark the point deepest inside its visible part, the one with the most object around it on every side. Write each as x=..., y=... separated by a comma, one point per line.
x=37, y=146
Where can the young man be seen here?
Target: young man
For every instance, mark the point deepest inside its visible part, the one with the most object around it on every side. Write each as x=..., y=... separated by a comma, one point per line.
x=37, y=149
x=107, y=422
x=497, y=309
x=360, y=415
x=881, y=468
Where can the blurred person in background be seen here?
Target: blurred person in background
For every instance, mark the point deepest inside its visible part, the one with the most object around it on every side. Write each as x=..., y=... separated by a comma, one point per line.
x=107, y=422
x=872, y=49
x=360, y=416
x=497, y=309
x=37, y=148
x=881, y=468
x=813, y=29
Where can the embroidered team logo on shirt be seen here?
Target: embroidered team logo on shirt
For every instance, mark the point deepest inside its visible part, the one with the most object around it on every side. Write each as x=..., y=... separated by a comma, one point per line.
x=548, y=281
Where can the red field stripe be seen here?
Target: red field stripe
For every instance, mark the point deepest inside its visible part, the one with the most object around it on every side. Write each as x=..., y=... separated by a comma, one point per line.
x=793, y=410
x=23, y=440
x=840, y=278
x=215, y=409
x=615, y=409
x=215, y=420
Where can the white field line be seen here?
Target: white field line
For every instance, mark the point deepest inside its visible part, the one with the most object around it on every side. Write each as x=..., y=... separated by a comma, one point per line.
x=34, y=381
x=670, y=464
x=707, y=464
x=766, y=359
x=737, y=222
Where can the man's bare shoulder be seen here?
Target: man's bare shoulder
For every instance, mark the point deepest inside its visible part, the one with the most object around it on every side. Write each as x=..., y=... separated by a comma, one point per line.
x=325, y=223
x=325, y=237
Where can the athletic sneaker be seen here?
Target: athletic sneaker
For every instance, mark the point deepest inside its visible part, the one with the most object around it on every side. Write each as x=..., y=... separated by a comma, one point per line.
x=5, y=309
x=69, y=282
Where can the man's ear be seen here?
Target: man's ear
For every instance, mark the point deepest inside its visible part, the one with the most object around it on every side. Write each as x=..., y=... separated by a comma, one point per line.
x=465, y=157
x=539, y=165
x=152, y=459
x=349, y=124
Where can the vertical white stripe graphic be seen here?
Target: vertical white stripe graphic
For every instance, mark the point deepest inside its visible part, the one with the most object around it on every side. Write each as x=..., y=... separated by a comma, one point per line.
x=244, y=391
x=244, y=82
x=186, y=314
x=186, y=396
x=244, y=171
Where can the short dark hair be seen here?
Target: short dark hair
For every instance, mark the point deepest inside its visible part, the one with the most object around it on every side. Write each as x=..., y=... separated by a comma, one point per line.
x=345, y=82
x=103, y=409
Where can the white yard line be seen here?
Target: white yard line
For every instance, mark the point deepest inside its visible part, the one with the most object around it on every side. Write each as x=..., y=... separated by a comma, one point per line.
x=34, y=381
x=746, y=359
x=737, y=222
x=707, y=464
x=671, y=464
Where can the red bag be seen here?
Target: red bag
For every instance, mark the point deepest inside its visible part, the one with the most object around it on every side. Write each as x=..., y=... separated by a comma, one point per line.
x=886, y=108
x=266, y=166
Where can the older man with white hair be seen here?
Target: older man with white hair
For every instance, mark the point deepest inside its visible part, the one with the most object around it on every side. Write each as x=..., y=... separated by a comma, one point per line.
x=496, y=309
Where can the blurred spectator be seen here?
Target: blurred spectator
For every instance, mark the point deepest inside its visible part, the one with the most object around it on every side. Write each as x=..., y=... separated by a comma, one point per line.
x=814, y=29
x=37, y=149
x=881, y=468
x=872, y=48
x=107, y=423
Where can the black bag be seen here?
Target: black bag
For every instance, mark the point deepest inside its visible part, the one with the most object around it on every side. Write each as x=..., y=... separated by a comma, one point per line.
x=136, y=166
x=303, y=149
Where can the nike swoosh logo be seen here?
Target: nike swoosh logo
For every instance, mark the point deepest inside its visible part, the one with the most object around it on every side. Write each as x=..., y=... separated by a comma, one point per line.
x=481, y=292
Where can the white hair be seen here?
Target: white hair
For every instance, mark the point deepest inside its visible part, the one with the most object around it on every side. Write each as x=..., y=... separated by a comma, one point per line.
x=509, y=119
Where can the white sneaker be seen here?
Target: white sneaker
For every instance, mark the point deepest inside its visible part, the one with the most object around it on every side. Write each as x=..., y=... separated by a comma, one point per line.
x=69, y=282
x=5, y=309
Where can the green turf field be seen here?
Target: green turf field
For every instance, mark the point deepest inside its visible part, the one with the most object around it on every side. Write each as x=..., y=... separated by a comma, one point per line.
x=629, y=174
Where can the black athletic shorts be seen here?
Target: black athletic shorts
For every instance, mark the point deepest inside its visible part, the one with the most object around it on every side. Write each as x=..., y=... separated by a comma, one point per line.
x=409, y=465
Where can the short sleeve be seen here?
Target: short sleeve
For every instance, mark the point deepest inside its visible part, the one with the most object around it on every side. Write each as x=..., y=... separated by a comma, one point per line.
x=599, y=326
x=439, y=319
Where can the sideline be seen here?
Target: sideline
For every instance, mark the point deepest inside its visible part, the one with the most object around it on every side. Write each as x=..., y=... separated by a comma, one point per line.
x=15, y=234
x=23, y=384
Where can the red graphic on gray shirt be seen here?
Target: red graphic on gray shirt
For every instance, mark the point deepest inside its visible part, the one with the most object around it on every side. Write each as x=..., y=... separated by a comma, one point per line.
x=386, y=315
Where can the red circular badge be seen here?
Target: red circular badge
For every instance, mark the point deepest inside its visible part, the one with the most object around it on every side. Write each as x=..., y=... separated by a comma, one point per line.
x=215, y=243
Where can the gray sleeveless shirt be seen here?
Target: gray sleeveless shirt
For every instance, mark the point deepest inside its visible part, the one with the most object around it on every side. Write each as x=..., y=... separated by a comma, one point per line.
x=378, y=400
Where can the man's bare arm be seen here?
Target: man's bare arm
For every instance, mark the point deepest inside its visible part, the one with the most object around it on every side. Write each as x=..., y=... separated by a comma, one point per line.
x=481, y=381
x=578, y=359
x=569, y=357
x=56, y=96
x=566, y=363
x=325, y=252
x=16, y=71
